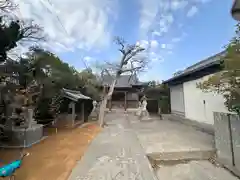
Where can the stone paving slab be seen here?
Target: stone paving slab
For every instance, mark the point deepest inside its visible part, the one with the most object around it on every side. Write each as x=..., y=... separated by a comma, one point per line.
x=115, y=154
x=160, y=136
x=194, y=170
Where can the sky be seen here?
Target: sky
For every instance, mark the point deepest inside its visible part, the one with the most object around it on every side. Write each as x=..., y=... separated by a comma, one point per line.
x=178, y=33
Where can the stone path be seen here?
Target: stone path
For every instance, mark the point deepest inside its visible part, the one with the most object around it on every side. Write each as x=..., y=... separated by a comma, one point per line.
x=178, y=151
x=195, y=170
x=119, y=152
x=115, y=154
x=164, y=136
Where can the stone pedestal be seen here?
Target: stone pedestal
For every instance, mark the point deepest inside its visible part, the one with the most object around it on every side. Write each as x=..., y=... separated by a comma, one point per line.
x=24, y=135
x=29, y=118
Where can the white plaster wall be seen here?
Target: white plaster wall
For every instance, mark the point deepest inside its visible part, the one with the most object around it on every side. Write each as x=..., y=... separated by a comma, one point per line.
x=177, y=99
x=194, y=98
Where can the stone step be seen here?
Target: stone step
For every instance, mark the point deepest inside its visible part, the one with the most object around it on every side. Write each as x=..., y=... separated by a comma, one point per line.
x=182, y=155
x=194, y=170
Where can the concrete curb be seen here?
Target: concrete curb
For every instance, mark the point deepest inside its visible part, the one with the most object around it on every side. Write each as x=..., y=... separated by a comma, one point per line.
x=206, y=128
x=184, y=155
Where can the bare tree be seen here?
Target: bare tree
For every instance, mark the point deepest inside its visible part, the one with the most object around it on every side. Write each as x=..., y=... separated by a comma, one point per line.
x=18, y=33
x=132, y=61
x=29, y=31
x=7, y=5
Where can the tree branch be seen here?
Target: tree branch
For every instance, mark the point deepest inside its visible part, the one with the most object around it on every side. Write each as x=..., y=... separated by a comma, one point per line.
x=7, y=5
x=132, y=69
x=133, y=53
x=31, y=31
x=120, y=41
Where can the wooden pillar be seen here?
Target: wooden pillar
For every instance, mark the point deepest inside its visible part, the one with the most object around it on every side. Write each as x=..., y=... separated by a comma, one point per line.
x=125, y=101
x=82, y=110
x=73, y=112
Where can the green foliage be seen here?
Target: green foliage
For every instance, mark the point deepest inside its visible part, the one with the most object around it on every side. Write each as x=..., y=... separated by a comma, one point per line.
x=40, y=68
x=152, y=83
x=227, y=81
x=51, y=75
x=89, y=84
x=159, y=92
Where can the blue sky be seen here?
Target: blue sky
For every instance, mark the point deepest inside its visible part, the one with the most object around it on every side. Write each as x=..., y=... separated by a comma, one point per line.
x=179, y=32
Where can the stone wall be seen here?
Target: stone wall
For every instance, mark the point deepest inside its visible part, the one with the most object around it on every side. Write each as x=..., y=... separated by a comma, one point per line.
x=227, y=140
x=24, y=137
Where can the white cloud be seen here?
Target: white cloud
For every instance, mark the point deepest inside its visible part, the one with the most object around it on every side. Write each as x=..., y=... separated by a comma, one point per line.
x=156, y=57
x=149, y=10
x=142, y=43
x=202, y=1
x=152, y=53
x=193, y=10
x=154, y=44
x=154, y=74
x=165, y=22
x=178, y=4
x=163, y=46
x=169, y=18
x=88, y=58
x=176, y=39
x=205, y=1
x=156, y=33
x=73, y=23
x=167, y=46
x=157, y=16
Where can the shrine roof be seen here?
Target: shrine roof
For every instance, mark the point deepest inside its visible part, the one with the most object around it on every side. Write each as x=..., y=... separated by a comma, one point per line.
x=74, y=95
x=123, y=81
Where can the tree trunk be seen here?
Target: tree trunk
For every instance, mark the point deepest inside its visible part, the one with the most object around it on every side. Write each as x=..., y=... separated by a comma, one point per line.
x=104, y=102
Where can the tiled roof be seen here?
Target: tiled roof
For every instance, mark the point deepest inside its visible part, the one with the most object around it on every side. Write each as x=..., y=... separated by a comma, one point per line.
x=123, y=81
x=74, y=95
x=213, y=60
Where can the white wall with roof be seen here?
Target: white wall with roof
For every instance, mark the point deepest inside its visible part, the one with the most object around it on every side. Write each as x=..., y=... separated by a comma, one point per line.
x=199, y=106
x=177, y=99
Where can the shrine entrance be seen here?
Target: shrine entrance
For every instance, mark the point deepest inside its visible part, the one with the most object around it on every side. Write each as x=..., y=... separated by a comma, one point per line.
x=126, y=91
x=119, y=100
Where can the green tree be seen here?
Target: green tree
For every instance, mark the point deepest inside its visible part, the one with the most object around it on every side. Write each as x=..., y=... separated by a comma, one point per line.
x=89, y=84
x=15, y=31
x=52, y=74
x=159, y=92
x=227, y=81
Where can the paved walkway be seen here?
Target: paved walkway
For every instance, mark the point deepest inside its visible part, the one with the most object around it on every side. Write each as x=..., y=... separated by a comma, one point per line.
x=180, y=152
x=115, y=154
x=165, y=136
x=194, y=170
x=119, y=152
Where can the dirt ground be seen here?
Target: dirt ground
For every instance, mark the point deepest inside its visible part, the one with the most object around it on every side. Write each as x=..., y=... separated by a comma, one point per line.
x=54, y=157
